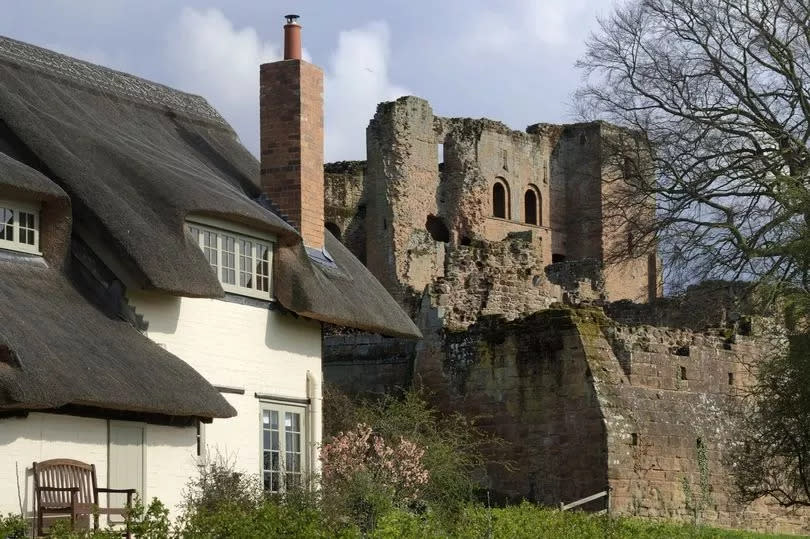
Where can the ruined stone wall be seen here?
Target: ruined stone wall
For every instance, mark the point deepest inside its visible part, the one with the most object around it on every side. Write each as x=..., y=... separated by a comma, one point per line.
x=712, y=304
x=527, y=382
x=627, y=216
x=402, y=185
x=493, y=278
x=477, y=153
x=583, y=403
x=670, y=399
x=363, y=363
x=407, y=205
x=576, y=177
x=345, y=204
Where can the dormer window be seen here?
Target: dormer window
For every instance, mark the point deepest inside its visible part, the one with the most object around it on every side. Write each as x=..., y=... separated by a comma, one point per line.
x=19, y=227
x=242, y=261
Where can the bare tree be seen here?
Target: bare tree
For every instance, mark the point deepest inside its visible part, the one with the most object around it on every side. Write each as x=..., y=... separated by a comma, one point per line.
x=771, y=456
x=715, y=97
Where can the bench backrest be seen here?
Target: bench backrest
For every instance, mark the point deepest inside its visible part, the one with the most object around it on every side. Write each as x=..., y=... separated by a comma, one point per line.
x=65, y=473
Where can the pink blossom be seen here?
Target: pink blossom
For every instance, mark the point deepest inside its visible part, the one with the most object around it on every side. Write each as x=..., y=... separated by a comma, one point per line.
x=360, y=450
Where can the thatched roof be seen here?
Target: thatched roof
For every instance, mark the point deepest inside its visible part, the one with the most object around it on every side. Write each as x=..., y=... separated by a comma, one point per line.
x=137, y=157
x=57, y=349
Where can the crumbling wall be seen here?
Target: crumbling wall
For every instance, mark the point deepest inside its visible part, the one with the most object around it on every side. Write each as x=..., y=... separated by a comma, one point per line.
x=527, y=382
x=479, y=152
x=711, y=304
x=493, y=278
x=671, y=399
x=345, y=204
x=365, y=363
x=403, y=179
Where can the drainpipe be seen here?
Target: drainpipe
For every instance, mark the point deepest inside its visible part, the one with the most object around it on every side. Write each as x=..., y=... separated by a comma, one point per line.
x=315, y=396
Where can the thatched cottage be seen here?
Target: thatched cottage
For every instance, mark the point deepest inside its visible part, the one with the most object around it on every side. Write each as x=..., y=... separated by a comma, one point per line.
x=162, y=290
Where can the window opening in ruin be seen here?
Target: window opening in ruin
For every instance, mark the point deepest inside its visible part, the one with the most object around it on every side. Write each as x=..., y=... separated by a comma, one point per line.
x=545, y=172
x=505, y=156
x=465, y=241
x=334, y=229
x=500, y=199
x=440, y=155
x=682, y=373
x=731, y=378
x=630, y=239
x=629, y=168
x=557, y=258
x=633, y=438
x=699, y=443
x=437, y=229
x=532, y=209
x=681, y=351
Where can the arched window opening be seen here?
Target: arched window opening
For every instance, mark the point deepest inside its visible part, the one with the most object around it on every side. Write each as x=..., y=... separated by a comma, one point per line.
x=500, y=200
x=532, y=206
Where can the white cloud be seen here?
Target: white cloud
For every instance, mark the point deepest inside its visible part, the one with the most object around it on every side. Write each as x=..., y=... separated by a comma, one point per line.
x=207, y=55
x=210, y=57
x=357, y=80
x=525, y=23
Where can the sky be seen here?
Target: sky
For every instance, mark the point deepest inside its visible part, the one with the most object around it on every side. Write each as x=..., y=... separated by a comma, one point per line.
x=511, y=61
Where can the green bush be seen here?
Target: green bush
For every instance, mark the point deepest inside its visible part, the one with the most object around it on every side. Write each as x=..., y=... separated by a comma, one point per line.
x=13, y=527
x=299, y=516
x=453, y=454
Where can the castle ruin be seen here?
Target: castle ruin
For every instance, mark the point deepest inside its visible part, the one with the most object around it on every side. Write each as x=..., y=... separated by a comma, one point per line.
x=501, y=244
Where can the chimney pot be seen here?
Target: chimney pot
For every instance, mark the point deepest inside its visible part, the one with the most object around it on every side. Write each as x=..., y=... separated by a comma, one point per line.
x=292, y=38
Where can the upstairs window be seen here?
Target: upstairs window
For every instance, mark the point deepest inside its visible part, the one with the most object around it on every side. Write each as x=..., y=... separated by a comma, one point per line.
x=19, y=227
x=242, y=263
x=532, y=206
x=500, y=199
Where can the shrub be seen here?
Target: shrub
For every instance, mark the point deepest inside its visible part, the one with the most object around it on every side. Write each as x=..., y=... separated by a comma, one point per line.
x=218, y=484
x=13, y=527
x=453, y=446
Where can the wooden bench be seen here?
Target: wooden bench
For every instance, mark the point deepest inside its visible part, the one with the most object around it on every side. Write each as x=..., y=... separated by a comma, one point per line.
x=65, y=487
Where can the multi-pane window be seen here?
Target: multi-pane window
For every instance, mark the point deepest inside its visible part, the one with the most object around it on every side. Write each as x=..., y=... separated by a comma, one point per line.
x=19, y=227
x=283, y=444
x=228, y=260
x=243, y=264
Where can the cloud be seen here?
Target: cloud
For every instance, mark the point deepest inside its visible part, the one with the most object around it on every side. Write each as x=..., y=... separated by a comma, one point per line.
x=357, y=80
x=207, y=55
x=523, y=24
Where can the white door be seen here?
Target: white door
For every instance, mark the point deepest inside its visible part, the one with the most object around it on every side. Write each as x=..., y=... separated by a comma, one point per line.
x=126, y=460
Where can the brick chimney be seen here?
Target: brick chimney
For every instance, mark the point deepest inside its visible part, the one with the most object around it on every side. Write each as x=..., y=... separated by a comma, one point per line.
x=291, y=123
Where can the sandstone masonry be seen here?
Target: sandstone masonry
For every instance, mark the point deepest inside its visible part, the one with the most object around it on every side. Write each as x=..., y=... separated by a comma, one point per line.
x=504, y=253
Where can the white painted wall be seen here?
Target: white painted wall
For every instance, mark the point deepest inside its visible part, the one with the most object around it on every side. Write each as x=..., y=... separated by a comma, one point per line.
x=170, y=455
x=243, y=346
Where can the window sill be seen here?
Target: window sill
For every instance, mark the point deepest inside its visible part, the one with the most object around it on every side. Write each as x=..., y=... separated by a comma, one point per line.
x=19, y=248
x=242, y=299
x=527, y=225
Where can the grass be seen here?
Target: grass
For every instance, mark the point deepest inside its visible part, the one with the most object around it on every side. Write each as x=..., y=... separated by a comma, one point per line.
x=527, y=521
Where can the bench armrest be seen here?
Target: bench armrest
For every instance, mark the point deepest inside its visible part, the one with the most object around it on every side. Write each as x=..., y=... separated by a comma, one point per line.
x=117, y=490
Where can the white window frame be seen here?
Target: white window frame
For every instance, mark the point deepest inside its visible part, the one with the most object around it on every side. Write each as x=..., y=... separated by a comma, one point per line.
x=303, y=447
x=240, y=236
x=15, y=244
